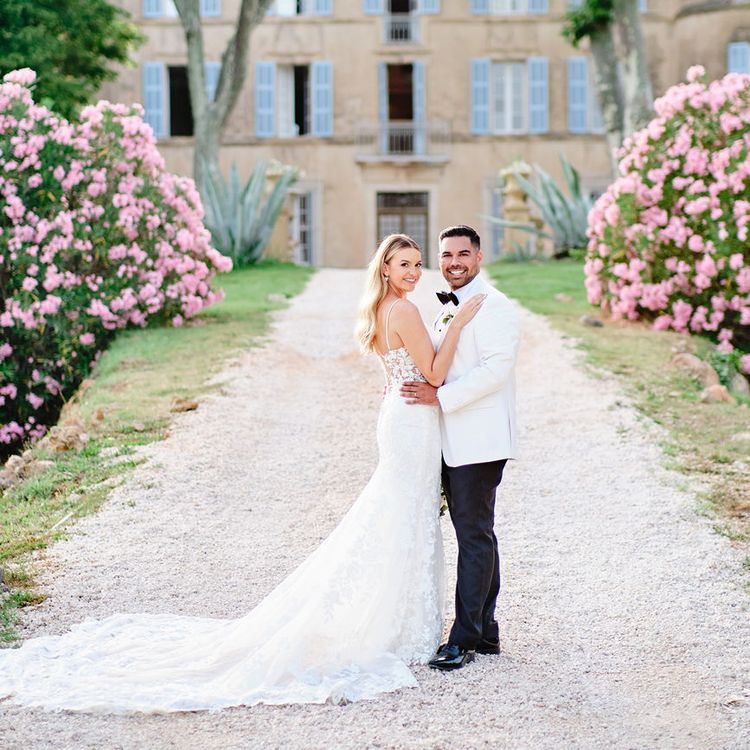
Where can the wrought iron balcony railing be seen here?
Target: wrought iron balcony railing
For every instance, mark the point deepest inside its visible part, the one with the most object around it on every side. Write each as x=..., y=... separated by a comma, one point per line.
x=400, y=28
x=404, y=138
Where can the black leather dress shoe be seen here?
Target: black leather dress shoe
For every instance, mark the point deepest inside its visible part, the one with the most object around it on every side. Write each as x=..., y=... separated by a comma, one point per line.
x=488, y=647
x=450, y=656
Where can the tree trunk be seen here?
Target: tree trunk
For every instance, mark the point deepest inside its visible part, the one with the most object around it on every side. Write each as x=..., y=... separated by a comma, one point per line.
x=638, y=98
x=609, y=89
x=210, y=118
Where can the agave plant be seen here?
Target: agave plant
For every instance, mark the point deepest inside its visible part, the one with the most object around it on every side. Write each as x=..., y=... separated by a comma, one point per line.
x=566, y=216
x=241, y=219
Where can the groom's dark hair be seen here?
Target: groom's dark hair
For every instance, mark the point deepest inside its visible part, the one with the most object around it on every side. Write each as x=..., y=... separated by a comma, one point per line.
x=461, y=230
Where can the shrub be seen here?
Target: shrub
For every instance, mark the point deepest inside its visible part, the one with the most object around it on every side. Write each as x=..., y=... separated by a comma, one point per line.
x=95, y=236
x=241, y=220
x=668, y=241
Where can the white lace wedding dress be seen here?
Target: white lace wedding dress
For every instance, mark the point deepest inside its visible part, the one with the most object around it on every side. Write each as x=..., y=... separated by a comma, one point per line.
x=344, y=625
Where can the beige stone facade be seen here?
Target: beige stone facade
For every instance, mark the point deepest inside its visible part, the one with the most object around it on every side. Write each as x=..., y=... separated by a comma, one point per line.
x=403, y=120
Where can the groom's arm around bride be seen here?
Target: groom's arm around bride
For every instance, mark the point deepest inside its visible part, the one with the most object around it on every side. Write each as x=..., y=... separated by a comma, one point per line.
x=478, y=430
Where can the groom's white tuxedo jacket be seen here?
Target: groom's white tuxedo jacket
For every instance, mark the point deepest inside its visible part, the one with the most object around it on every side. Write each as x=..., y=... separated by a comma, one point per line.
x=478, y=410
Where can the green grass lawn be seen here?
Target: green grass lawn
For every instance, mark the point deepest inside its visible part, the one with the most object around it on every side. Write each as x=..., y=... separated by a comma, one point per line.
x=129, y=401
x=699, y=441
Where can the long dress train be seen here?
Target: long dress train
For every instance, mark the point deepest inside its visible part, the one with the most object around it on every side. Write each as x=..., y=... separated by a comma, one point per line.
x=344, y=625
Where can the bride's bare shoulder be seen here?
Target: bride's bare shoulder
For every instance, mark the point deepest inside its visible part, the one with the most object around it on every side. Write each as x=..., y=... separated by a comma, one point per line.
x=398, y=309
x=404, y=309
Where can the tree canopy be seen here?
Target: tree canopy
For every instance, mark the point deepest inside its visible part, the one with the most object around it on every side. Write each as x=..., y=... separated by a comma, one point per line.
x=69, y=43
x=590, y=17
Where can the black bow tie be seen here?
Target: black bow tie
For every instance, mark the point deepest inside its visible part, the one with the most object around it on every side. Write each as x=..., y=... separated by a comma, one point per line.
x=446, y=297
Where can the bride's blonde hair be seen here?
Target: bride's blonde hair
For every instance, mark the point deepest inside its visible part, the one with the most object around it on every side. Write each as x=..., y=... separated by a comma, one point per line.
x=376, y=288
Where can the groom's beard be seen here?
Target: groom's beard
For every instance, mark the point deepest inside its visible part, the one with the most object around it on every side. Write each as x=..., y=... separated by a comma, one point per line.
x=457, y=283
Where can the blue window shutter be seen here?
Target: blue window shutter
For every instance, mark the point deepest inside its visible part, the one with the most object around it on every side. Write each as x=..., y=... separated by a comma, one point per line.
x=210, y=7
x=538, y=7
x=418, y=105
x=265, y=99
x=573, y=4
x=373, y=7
x=480, y=7
x=738, y=57
x=152, y=9
x=428, y=7
x=480, y=95
x=271, y=9
x=498, y=231
x=596, y=119
x=322, y=7
x=538, y=96
x=154, y=97
x=642, y=6
x=578, y=79
x=211, y=71
x=322, y=98
x=383, y=114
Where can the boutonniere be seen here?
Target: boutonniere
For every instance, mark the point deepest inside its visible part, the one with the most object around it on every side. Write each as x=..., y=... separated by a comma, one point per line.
x=447, y=318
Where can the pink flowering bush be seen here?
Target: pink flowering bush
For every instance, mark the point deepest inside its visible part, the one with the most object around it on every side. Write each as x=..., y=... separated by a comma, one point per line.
x=95, y=236
x=668, y=241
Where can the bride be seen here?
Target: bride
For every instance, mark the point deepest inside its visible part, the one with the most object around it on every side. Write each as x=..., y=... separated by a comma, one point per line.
x=346, y=624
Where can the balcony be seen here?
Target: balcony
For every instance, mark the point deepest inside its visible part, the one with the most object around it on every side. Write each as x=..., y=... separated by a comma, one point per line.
x=404, y=141
x=400, y=28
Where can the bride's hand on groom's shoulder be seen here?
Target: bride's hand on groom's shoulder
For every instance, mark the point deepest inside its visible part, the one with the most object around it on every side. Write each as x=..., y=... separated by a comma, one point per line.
x=468, y=310
x=417, y=392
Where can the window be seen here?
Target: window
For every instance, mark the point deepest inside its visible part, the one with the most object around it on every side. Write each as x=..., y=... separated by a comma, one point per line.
x=400, y=24
x=293, y=100
x=210, y=8
x=167, y=9
x=401, y=94
x=584, y=112
x=422, y=7
x=494, y=207
x=573, y=4
x=509, y=96
x=180, y=109
x=516, y=7
x=508, y=7
x=403, y=213
x=166, y=97
x=302, y=227
x=293, y=109
x=738, y=57
x=290, y=8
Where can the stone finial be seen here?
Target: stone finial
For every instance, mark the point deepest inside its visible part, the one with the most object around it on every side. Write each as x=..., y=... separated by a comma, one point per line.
x=516, y=207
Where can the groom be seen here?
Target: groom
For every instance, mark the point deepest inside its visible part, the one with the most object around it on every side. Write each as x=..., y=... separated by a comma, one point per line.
x=478, y=426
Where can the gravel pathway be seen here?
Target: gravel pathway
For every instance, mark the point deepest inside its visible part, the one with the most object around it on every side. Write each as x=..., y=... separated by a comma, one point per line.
x=623, y=619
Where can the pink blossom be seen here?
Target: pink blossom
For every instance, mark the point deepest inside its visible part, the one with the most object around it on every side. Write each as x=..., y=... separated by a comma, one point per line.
x=29, y=284
x=706, y=266
x=662, y=323
x=745, y=364
x=34, y=400
x=22, y=76
x=87, y=339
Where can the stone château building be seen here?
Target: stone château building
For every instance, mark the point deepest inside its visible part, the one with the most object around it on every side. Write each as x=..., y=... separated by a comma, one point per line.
x=400, y=113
